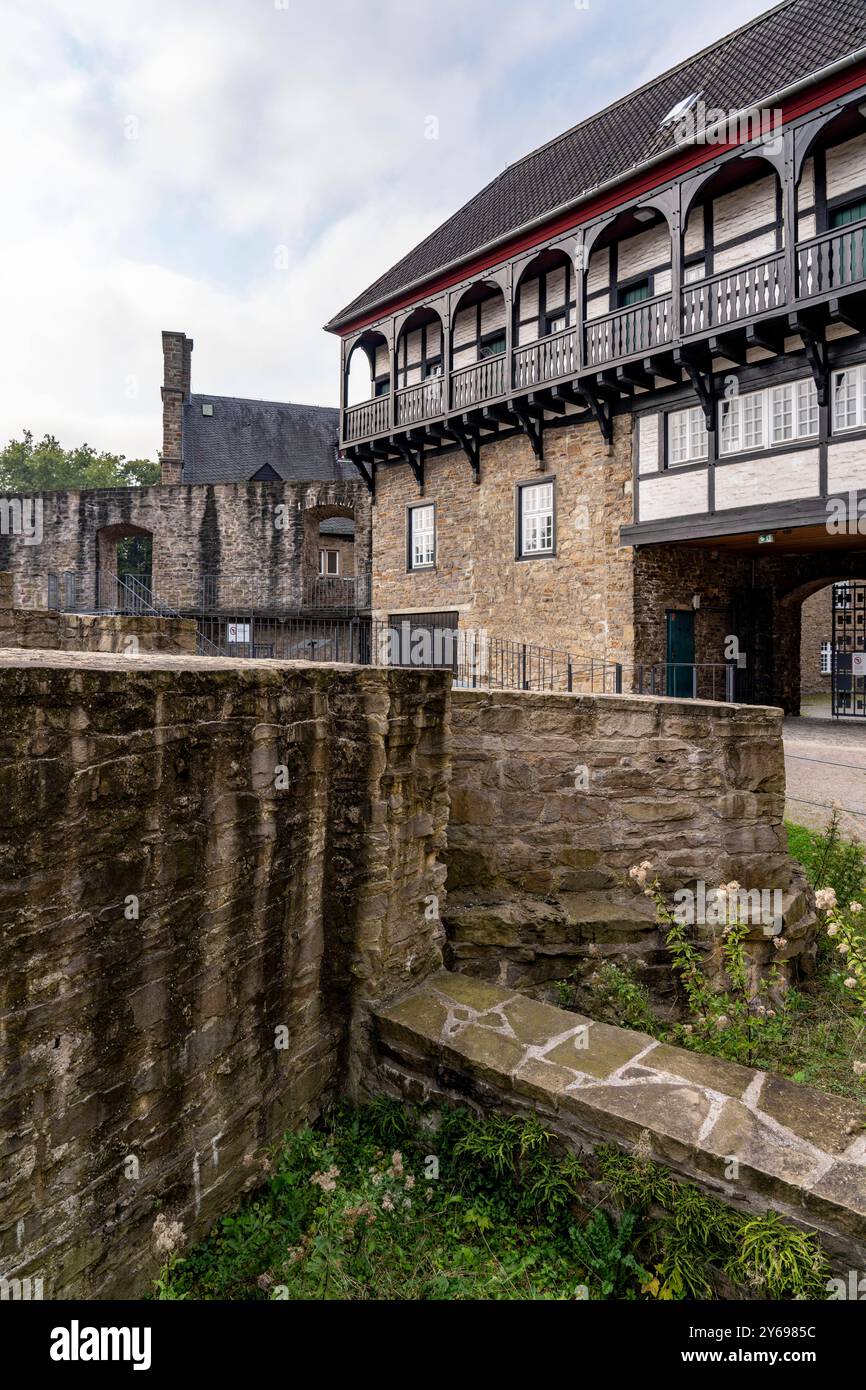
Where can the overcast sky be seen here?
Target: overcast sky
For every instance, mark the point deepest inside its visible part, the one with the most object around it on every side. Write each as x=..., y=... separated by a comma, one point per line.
x=240, y=169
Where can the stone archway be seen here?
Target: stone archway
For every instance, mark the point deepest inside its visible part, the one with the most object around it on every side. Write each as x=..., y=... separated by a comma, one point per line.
x=124, y=553
x=329, y=531
x=788, y=628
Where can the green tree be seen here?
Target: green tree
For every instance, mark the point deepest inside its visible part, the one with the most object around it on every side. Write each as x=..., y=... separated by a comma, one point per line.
x=27, y=466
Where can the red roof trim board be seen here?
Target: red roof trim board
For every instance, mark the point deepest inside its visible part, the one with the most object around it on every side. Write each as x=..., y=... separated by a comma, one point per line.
x=800, y=105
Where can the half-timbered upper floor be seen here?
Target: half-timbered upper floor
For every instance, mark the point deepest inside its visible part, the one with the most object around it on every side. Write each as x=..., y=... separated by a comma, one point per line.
x=725, y=254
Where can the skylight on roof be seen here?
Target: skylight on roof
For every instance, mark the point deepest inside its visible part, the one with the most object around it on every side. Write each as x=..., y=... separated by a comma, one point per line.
x=677, y=112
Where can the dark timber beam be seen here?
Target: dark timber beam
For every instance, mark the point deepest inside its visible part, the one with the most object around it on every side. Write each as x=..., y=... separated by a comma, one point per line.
x=812, y=333
x=766, y=336
x=368, y=474
x=546, y=401
x=851, y=312
x=698, y=368
x=663, y=366
x=615, y=385
x=501, y=415
x=470, y=442
x=569, y=395
x=634, y=375
x=531, y=418
x=601, y=411
x=406, y=451
x=730, y=346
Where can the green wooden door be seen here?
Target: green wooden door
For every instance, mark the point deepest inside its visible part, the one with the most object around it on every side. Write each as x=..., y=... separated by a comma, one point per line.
x=680, y=653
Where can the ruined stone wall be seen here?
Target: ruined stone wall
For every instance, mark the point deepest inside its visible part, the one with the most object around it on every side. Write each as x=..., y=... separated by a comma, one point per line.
x=579, y=599
x=555, y=797
x=249, y=529
x=81, y=632
x=189, y=941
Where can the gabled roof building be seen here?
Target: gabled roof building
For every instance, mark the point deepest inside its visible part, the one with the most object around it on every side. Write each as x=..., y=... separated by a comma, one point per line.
x=616, y=405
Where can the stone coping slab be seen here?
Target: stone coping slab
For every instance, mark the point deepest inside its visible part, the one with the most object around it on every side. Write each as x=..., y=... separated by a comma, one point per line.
x=755, y=1139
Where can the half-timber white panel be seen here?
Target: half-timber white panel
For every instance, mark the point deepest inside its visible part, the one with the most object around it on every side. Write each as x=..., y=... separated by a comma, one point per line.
x=846, y=465
x=846, y=167
x=638, y=254
x=673, y=494
x=556, y=288
x=694, y=238
x=528, y=298
x=492, y=314
x=598, y=274
x=806, y=186
x=648, y=444
x=744, y=252
x=762, y=480
x=738, y=212
x=465, y=326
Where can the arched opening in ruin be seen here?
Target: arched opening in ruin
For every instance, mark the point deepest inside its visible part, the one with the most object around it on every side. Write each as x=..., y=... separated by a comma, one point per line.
x=124, y=565
x=329, y=568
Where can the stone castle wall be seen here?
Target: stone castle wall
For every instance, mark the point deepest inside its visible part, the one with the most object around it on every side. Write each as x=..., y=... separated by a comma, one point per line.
x=187, y=950
x=82, y=632
x=555, y=797
x=579, y=599
x=249, y=529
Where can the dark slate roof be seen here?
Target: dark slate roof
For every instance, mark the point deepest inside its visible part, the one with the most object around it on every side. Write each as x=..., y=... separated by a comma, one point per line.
x=240, y=437
x=780, y=47
x=337, y=526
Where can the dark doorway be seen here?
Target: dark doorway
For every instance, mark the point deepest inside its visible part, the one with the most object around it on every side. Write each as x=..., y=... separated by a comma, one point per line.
x=680, y=653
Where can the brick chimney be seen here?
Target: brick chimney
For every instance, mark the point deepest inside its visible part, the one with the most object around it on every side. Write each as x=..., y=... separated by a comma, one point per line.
x=176, y=370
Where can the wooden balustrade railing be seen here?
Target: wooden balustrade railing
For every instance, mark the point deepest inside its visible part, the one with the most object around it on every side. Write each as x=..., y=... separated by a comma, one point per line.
x=824, y=265
x=831, y=261
x=734, y=295
x=482, y=381
x=368, y=419
x=636, y=329
x=423, y=401
x=548, y=359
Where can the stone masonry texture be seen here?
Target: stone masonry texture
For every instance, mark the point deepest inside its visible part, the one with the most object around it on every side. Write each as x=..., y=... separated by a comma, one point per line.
x=83, y=632
x=258, y=530
x=554, y=798
x=579, y=599
x=187, y=950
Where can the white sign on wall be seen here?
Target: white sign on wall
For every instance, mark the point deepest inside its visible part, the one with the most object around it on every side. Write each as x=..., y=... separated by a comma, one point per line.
x=858, y=663
x=238, y=632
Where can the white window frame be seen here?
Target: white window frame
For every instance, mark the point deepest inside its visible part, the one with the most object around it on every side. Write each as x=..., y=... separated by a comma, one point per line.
x=687, y=437
x=537, y=508
x=324, y=572
x=855, y=412
x=826, y=658
x=422, y=537
x=749, y=421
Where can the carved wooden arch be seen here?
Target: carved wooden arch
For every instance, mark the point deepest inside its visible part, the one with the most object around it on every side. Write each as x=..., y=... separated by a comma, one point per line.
x=690, y=189
x=500, y=278
x=664, y=202
x=566, y=245
x=439, y=307
x=806, y=136
x=383, y=330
